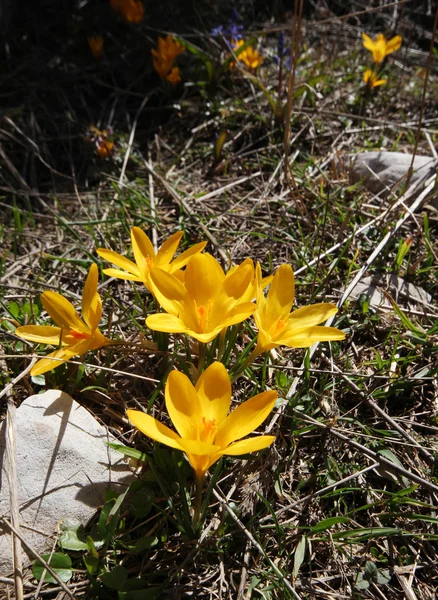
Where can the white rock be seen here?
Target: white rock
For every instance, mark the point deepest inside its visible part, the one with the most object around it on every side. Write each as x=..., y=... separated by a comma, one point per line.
x=382, y=170
x=63, y=466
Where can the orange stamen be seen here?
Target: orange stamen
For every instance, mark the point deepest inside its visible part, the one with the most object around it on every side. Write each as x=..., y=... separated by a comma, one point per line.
x=209, y=428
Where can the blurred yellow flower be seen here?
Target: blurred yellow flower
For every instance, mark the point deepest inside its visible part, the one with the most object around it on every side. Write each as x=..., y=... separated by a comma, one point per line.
x=370, y=79
x=249, y=56
x=278, y=326
x=207, y=301
x=76, y=335
x=199, y=415
x=381, y=47
x=95, y=42
x=164, y=56
x=145, y=257
x=131, y=11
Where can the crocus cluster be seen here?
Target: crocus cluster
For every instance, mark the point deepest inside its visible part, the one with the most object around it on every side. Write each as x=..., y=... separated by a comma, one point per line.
x=164, y=56
x=201, y=300
x=131, y=11
x=380, y=48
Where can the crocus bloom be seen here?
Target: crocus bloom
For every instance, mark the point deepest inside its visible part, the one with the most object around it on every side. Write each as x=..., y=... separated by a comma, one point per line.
x=95, y=43
x=298, y=329
x=164, y=56
x=381, y=47
x=76, y=336
x=199, y=415
x=132, y=11
x=249, y=56
x=145, y=257
x=370, y=79
x=207, y=301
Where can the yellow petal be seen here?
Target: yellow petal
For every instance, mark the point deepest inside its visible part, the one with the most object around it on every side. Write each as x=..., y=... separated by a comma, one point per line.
x=249, y=445
x=238, y=280
x=121, y=275
x=247, y=417
x=214, y=393
x=394, y=44
x=91, y=302
x=307, y=316
x=281, y=293
x=166, y=323
x=143, y=251
x=62, y=311
x=203, y=278
x=120, y=261
x=201, y=455
x=368, y=42
x=54, y=359
x=154, y=429
x=41, y=334
x=168, y=249
x=184, y=258
x=168, y=290
x=306, y=337
x=238, y=314
x=183, y=405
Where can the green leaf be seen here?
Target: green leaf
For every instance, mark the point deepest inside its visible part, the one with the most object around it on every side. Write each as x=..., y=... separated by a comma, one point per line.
x=327, y=523
x=131, y=452
x=145, y=543
x=135, y=589
x=404, y=319
x=141, y=503
x=299, y=555
x=60, y=563
x=91, y=564
x=116, y=578
x=69, y=539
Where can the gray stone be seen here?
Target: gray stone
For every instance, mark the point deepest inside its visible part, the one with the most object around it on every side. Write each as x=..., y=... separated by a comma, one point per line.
x=63, y=466
x=381, y=171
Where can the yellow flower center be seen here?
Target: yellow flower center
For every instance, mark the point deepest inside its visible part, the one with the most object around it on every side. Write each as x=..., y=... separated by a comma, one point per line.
x=277, y=327
x=203, y=317
x=208, y=430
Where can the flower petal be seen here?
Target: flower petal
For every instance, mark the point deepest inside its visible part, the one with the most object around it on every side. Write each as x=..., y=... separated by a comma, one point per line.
x=214, y=393
x=203, y=278
x=143, y=251
x=41, y=334
x=251, y=444
x=168, y=290
x=307, y=316
x=183, y=405
x=120, y=261
x=307, y=336
x=62, y=312
x=121, y=275
x=237, y=281
x=247, y=417
x=184, y=258
x=393, y=44
x=154, y=429
x=368, y=42
x=54, y=359
x=281, y=294
x=91, y=302
x=166, y=323
x=168, y=249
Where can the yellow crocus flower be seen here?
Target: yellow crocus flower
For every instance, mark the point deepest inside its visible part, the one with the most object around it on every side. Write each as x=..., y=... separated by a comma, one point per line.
x=164, y=55
x=145, y=257
x=250, y=56
x=204, y=430
x=76, y=336
x=206, y=301
x=95, y=43
x=278, y=326
x=370, y=79
x=381, y=47
x=131, y=11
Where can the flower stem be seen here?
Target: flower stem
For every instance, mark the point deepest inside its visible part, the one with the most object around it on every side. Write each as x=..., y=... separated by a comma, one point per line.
x=246, y=364
x=201, y=359
x=198, y=501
